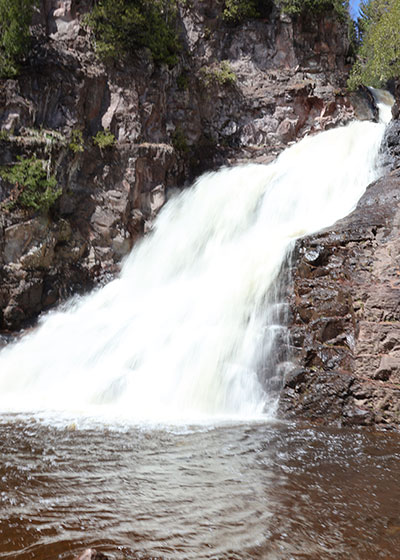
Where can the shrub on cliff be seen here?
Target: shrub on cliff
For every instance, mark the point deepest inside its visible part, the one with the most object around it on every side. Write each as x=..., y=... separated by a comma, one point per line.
x=33, y=187
x=236, y=11
x=121, y=27
x=378, y=57
x=76, y=143
x=104, y=139
x=15, y=19
x=220, y=73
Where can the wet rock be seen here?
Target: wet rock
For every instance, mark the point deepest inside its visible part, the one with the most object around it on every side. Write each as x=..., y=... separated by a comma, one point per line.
x=13, y=316
x=346, y=319
x=392, y=143
x=364, y=105
x=316, y=395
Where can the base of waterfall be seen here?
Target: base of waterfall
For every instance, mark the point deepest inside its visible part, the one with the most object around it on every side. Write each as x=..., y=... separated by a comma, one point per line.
x=244, y=492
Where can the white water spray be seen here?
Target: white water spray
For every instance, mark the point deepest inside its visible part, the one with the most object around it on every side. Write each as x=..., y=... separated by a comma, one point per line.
x=180, y=334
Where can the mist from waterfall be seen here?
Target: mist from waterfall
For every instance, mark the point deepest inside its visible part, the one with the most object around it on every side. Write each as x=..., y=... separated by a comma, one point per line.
x=185, y=330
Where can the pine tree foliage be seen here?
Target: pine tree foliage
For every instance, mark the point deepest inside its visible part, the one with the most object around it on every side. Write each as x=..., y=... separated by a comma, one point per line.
x=33, y=187
x=378, y=57
x=121, y=27
x=235, y=11
x=15, y=19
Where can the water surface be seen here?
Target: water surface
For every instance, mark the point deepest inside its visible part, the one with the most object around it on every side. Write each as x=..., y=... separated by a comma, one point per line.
x=257, y=491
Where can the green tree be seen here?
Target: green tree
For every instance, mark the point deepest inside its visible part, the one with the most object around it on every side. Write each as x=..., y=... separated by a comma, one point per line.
x=32, y=186
x=378, y=57
x=236, y=11
x=15, y=19
x=122, y=26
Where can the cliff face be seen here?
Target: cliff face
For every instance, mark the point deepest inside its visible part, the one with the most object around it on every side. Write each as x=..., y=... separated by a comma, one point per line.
x=345, y=327
x=286, y=80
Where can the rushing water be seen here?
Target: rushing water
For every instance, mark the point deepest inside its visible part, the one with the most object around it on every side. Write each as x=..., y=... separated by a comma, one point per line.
x=185, y=330
x=186, y=336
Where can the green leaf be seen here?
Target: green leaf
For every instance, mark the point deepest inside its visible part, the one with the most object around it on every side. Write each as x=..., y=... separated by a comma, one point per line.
x=15, y=19
x=378, y=57
x=32, y=186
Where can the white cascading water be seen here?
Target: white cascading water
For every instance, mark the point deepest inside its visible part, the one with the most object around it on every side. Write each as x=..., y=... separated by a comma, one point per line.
x=180, y=334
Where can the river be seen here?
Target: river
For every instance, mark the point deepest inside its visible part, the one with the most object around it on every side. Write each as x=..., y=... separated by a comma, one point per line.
x=271, y=491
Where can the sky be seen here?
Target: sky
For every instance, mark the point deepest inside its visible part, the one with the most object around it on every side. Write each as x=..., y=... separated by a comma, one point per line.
x=354, y=4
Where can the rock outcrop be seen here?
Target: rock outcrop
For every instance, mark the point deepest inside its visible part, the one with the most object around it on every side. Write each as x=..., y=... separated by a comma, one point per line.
x=346, y=313
x=170, y=124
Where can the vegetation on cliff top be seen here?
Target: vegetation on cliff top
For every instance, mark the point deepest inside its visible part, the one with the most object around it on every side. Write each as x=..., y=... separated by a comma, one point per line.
x=33, y=186
x=15, y=19
x=122, y=26
x=294, y=7
x=378, y=58
x=235, y=11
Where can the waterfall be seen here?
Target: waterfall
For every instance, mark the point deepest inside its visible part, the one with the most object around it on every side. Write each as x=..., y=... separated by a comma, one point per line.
x=182, y=333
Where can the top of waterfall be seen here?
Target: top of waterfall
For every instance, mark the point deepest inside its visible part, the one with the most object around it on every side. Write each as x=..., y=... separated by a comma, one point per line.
x=384, y=101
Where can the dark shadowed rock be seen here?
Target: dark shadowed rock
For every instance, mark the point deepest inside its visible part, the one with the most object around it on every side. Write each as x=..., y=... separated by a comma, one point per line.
x=364, y=105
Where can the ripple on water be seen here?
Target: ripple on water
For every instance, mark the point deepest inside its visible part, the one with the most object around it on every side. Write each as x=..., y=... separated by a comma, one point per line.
x=258, y=491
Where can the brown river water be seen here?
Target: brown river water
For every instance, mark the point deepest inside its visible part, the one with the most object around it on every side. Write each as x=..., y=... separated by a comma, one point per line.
x=272, y=491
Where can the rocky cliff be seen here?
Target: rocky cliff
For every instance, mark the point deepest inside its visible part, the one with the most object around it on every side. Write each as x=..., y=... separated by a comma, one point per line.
x=239, y=92
x=345, y=326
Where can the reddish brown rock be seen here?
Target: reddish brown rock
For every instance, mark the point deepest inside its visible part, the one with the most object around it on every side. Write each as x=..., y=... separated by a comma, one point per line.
x=346, y=316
